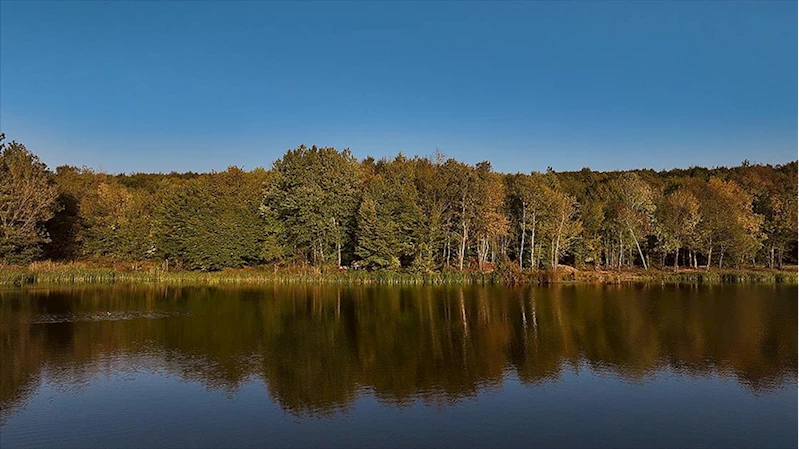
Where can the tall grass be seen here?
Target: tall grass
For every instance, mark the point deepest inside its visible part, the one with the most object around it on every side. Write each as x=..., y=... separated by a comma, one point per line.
x=77, y=273
x=49, y=273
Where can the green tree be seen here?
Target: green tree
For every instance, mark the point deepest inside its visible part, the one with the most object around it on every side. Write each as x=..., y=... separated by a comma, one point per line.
x=116, y=221
x=389, y=216
x=315, y=192
x=67, y=227
x=435, y=206
x=462, y=188
x=529, y=196
x=213, y=222
x=27, y=201
x=319, y=205
x=378, y=243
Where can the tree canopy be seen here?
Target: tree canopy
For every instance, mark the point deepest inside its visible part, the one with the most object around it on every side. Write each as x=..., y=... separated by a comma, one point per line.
x=320, y=206
x=27, y=201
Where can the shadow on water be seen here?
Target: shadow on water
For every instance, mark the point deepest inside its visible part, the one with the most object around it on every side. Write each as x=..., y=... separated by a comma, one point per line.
x=318, y=348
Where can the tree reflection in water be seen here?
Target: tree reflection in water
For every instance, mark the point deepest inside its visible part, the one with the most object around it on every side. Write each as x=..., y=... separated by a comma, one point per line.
x=317, y=348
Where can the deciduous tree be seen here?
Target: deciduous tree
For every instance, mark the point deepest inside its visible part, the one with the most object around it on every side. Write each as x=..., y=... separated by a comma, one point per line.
x=27, y=200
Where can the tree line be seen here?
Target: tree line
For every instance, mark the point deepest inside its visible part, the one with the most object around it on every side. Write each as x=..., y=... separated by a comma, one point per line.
x=321, y=206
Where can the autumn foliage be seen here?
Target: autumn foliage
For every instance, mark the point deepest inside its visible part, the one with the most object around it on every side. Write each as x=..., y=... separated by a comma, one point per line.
x=320, y=206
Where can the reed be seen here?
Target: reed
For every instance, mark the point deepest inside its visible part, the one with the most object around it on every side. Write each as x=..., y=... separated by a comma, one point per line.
x=50, y=273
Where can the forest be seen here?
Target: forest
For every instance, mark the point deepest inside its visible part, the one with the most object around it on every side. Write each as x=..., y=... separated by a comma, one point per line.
x=318, y=206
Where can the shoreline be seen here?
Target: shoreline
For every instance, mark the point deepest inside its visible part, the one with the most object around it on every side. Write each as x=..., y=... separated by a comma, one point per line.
x=43, y=274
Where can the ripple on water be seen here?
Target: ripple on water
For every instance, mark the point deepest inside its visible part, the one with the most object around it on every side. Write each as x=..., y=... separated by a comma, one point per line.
x=53, y=318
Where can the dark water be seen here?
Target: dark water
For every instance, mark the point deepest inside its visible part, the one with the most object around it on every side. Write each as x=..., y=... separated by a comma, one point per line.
x=377, y=366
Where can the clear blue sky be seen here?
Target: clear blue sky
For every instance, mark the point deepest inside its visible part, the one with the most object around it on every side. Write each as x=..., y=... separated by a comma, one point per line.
x=161, y=86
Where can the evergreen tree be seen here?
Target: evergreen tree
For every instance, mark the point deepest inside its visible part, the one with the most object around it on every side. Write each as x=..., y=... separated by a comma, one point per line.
x=389, y=211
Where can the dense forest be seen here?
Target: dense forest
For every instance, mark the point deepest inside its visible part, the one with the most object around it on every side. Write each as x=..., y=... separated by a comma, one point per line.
x=320, y=206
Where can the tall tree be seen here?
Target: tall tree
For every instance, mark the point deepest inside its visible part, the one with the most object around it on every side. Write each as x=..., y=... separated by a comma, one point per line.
x=561, y=224
x=435, y=205
x=490, y=223
x=528, y=196
x=677, y=218
x=728, y=221
x=634, y=203
x=117, y=221
x=212, y=222
x=27, y=200
x=315, y=192
x=67, y=227
x=389, y=216
x=320, y=205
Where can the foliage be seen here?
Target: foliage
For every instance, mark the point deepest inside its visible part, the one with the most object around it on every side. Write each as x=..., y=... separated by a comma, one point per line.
x=27, y=201
x=323, y=208
x=315, y=193
x=213, y=221
x=677, y=219
x=389, y=216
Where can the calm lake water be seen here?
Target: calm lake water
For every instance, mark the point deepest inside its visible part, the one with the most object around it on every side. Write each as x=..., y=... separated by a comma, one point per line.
x=302, y=366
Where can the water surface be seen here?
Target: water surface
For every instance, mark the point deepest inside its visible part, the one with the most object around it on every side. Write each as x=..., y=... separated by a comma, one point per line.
x=333, y=366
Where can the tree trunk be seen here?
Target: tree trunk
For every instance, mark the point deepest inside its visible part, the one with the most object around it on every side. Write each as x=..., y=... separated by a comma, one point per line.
x=557, y=243
x=709, y=255
x=721, y=256
x=479, y=249
x=482, y=252
x=676, y=259
x=532, y=245
x=640, y=253
x=771, y=258
x=631, y=258
x=463, y=245
x=524, y=231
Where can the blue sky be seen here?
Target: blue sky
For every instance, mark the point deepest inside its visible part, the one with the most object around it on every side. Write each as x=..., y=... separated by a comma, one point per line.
x=162, y=86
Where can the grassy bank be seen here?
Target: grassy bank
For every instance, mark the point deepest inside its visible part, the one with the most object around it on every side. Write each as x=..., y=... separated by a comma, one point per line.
x=82, y=273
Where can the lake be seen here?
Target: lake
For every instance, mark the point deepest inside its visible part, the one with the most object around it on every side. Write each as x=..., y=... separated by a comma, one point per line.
x=373, y=366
